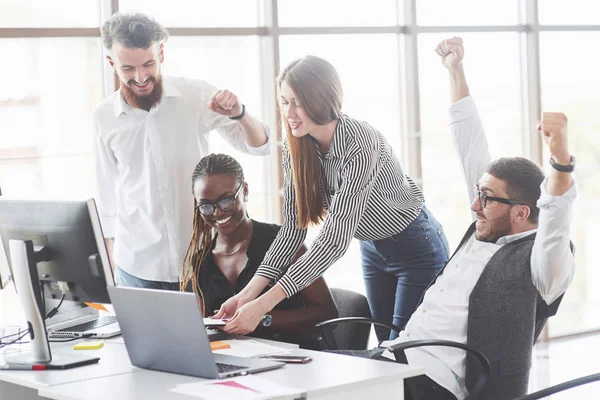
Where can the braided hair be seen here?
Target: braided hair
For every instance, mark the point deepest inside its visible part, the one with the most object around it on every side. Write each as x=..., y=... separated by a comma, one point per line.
x=202, y=235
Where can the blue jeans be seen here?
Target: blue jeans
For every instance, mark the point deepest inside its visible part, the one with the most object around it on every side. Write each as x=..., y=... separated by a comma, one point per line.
x=122, y=278
x=398, y=269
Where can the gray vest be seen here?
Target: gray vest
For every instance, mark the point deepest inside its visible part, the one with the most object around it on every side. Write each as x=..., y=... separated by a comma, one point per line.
x=506, y=315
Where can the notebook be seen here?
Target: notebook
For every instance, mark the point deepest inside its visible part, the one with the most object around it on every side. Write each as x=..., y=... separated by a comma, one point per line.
x=164, y=331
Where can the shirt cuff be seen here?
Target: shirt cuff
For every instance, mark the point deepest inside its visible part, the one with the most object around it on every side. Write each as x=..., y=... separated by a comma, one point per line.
x=108, y=226
x=268, y=272
x=462, y=109
x=288, y=285
x=547, y=200
x=263, y=149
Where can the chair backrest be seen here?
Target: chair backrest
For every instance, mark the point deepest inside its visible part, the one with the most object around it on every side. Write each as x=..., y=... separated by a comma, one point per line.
x=351, y=304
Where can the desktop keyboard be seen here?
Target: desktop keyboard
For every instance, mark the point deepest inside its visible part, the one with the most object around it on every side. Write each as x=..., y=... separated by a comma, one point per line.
x=86, y=326
x=228, y=367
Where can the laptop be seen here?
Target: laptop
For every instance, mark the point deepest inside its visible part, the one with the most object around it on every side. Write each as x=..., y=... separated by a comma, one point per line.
x=76, y=320
x=164, y=331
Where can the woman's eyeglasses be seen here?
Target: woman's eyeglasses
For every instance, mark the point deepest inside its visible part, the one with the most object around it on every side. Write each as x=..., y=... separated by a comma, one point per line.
x=208, y=209
x=484, y=198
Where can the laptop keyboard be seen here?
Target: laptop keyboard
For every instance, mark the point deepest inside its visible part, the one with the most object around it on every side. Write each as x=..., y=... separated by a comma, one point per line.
x=228, y=367
x=86, y=326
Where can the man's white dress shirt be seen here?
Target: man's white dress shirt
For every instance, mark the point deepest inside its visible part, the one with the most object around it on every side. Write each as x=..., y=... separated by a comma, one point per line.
x=443, y=314
x=144, y=165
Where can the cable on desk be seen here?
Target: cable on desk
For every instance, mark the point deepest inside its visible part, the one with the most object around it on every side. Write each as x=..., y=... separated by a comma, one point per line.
x=3, y=345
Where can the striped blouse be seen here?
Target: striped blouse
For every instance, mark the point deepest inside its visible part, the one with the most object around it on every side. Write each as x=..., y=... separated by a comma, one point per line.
x=365, y=193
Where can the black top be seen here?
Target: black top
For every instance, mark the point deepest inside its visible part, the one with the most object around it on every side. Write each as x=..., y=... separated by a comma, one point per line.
x=215, y=286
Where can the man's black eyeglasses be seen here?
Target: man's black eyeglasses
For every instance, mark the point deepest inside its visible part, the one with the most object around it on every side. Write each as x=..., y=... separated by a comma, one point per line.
x=208, y=209
x=483, y=198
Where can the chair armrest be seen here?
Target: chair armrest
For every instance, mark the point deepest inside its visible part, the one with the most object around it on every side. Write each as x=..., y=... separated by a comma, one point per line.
x=560, y=387
x=358, y=320
x=326, y=328
x=485, y=363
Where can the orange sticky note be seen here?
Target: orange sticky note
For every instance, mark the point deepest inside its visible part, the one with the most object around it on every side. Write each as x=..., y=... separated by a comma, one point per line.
x=219, y=345
x=96, y=306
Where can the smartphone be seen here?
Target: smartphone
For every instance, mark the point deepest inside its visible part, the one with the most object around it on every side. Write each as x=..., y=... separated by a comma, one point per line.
x=289, y=359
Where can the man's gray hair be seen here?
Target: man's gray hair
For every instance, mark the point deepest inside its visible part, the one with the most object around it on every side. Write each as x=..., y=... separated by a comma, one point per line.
x=132, y=31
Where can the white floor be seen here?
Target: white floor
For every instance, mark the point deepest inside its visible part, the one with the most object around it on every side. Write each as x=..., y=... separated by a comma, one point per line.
x=563, y=359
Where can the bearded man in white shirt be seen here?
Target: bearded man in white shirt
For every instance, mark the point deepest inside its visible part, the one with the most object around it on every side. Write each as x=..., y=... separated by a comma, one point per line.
x=149, y=135
x=509, y=271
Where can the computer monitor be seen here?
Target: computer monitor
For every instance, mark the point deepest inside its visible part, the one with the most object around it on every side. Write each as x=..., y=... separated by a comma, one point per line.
x=56, y=247
x=70, y=234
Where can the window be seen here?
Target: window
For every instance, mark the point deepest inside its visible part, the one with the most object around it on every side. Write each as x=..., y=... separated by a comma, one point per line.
x=197, y=13
x=49, y=14
x=467, y=12
x=573, y=12
x=570, y=84
x=47, y=94
x=310, y=13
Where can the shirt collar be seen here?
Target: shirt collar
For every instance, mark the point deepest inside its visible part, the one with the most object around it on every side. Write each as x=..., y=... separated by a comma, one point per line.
x=169, y=90
x=512, y=238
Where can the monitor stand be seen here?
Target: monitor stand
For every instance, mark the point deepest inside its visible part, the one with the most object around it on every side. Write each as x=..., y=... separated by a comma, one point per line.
x=24, y=262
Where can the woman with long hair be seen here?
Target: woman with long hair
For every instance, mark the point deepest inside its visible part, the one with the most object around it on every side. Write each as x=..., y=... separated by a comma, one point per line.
x=342, y=172
x=227, y=248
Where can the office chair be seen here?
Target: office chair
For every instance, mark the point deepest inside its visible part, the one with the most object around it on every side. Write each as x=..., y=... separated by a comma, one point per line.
x=326, y=328
x=560, y=387
x=349, y=336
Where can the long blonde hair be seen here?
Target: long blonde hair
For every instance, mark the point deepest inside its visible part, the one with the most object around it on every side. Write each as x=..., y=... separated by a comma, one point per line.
x=318, y=88
x=202, y=234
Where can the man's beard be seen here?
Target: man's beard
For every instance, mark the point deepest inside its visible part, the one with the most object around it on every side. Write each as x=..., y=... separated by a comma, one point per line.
x=501, y=227
x=143, y=102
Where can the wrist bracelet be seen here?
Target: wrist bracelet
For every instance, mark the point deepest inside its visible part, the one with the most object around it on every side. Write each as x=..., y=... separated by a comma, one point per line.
x=237, y=118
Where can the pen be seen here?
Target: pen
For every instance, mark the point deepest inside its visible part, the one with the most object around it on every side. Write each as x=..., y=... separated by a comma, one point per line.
x=34, y=367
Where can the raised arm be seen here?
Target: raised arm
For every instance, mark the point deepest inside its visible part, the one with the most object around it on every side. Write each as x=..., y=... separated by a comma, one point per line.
x=465, y=124
x=552, y=262
x=254, y=134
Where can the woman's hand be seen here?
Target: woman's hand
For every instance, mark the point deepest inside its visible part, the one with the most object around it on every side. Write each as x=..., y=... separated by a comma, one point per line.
x=229, y=308
x=246, y=319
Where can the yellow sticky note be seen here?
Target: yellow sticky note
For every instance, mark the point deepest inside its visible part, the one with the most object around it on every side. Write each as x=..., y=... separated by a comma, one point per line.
x=89, y=345
x=219, y=345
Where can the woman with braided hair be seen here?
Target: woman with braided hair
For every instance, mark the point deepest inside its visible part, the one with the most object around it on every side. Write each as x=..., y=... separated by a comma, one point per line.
x=227, y=247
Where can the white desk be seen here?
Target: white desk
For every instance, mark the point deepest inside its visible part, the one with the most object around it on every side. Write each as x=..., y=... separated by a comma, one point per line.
x=113, y=361
x=327, y=377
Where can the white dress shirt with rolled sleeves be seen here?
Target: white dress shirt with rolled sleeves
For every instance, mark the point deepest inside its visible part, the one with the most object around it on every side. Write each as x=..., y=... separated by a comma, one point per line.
x=444, y=311
x=144, y=165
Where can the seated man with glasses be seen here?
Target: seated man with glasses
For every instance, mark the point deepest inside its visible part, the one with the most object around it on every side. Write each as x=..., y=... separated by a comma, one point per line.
x=227, y=247
x=510, y=269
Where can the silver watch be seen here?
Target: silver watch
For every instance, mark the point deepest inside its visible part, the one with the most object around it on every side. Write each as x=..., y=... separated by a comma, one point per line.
x=266, y=320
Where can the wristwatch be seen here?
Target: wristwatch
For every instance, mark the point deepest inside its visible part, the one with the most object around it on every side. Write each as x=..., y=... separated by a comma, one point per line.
x=563, y=168
x=266, y=320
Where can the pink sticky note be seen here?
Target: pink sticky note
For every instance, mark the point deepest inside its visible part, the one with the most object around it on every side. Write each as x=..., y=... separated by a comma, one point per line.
x=235, y=385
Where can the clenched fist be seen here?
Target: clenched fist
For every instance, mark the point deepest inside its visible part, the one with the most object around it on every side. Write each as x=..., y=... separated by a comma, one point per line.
x=225, y=103
x=553, y=127
x=451, y=52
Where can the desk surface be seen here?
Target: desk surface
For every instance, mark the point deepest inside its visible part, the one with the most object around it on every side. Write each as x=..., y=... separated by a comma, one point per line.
x=326, y=373
x=113, y=361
